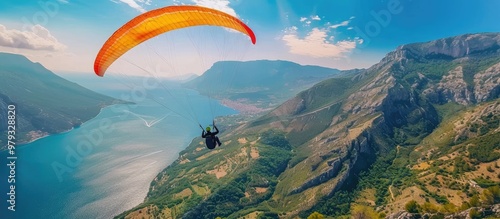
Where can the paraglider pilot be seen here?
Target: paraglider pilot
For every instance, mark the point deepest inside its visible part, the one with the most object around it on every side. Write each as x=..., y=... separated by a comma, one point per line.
x=211, y=140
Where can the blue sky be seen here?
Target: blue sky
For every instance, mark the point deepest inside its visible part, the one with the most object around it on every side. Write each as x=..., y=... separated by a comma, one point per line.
x=65, y=35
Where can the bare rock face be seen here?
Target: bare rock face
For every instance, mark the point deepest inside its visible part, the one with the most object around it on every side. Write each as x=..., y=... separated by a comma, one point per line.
x=370, y=96
x=400, y=104
x=451, y=88
x=361, y=144
x=496, y=209
x=463, y=50
x=403, y=215
x=456, y=47
x=344, y=146
x=454, y=88
x=492, y=211
x=487, y=84
x=325, y=176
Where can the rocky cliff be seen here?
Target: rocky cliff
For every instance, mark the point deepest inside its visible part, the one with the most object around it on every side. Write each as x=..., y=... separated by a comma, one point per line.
x=335, y=134
x=394, y=100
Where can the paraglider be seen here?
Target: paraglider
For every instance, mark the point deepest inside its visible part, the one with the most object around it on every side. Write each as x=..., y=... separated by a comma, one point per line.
x=211, y=139
x=156, y=22
x=159, y=21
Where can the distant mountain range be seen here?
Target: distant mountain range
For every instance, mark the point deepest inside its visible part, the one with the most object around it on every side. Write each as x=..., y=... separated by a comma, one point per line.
x=45, y=103
x=261, y=83
x=422, y=125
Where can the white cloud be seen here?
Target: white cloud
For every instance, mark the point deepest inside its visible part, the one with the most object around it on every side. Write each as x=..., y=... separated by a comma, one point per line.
x=352, y=17
x=221, y=5
x=63, y=1
x=342, y=24
x=302, y=19
x=134, y=4
x=38, y=38
x=316, y=18
x=315, y=44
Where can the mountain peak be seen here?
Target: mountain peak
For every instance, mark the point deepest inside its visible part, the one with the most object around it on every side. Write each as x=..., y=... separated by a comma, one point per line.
x=455, y=47
x=261, y=80
x=9, y=58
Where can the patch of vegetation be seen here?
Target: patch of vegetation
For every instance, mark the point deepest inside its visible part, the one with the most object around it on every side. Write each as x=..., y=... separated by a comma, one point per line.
x=388, y=170
x=321, y=121
x=485, y=183
x=461, y=166
x=227, y=196
x=475, y=214
x=483, y=149
x=475, y=65
x=297, y=158
x=434, y=182
x=230, y=197
x=361, y=211
x=433, y=69
x=337, y=205
x=411, y=123
x=316, y=215
x=328, y=91
x=447, y=110
x=412, y=207
x=275, y=139
x=441, y=199
x=268, y=215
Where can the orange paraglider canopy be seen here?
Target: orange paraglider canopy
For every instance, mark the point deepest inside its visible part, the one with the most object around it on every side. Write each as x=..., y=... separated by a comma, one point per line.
x=156, y=22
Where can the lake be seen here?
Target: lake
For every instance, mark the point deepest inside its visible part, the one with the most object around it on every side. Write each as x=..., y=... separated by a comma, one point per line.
x=105, y=166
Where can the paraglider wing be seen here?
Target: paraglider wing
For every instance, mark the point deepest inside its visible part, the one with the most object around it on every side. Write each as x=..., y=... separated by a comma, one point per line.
x=156, y=22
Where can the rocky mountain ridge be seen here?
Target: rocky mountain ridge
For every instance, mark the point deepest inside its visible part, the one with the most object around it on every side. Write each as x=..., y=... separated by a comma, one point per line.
x=344, y=134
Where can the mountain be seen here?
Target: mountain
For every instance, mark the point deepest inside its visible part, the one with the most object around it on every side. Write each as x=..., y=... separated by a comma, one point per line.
x=421, y=125
x=45, y=103
x=261, y=83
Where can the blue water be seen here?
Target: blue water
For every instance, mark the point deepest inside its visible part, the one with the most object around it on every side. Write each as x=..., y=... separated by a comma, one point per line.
x=104, y=167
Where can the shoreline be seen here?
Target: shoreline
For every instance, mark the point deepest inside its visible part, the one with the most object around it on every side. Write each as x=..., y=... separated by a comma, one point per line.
x=241, y=107
x=69, y=130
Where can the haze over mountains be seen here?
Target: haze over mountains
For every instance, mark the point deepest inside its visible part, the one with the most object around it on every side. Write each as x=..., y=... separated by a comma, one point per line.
x=422, y=125
x=45, y=103
x=260, y=82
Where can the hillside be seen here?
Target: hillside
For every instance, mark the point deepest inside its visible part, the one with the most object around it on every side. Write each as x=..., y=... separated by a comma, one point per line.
x=420, y=125
x=262, y=83
x=45, y=103
x=454, y=165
